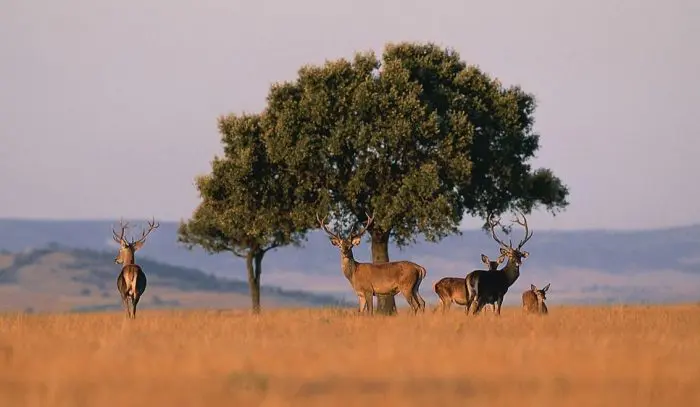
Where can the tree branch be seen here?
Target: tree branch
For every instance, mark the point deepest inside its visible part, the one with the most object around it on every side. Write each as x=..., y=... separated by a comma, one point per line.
x=238, y=253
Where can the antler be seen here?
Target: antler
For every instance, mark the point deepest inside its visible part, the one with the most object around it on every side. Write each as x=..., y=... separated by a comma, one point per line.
x=325, y=229
x=524, y=224
x=493, y=224
x=120, y=238
x=151, y=225
x=364, y=228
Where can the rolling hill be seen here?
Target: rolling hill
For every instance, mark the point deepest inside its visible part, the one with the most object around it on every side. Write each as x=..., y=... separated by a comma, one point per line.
x=590, y=266
x=81, y=280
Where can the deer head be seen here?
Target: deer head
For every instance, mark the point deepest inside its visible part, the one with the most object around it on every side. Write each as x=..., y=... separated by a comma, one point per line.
x=127, y=248
x=492, y=265
x=541, y=294
x=514, y=254
x=345, y=244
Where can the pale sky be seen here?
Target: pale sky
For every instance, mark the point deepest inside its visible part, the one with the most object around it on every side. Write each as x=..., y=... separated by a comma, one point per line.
x=109, y=108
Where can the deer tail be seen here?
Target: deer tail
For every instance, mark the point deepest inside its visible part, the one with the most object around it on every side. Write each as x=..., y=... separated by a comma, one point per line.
x=422, y=272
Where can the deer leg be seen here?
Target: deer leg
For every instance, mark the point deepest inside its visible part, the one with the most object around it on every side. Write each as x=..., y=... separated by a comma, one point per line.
x=362, y=304
x=418, y=297
x=135, y=303
x=497, y=306
x=125, y=305
x=446, y=304
x=130, y=306
x=369, y=302
x=412, y=301
x=479, y=306
x=421, y=301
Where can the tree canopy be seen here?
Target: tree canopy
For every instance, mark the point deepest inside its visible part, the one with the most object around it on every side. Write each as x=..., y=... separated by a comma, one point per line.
x=418, y=139
x=249, y=204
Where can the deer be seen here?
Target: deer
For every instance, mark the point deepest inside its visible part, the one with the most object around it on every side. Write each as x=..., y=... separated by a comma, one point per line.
x=484, y=287
x=454, y=289
x=369, y=279
x=131, y=281
x=533, y=300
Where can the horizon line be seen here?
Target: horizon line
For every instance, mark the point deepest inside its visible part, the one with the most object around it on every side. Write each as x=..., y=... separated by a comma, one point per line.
x=596, y=229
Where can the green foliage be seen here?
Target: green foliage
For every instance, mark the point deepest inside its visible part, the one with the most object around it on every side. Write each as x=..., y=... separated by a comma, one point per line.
x=249, y=204
x=416, y=139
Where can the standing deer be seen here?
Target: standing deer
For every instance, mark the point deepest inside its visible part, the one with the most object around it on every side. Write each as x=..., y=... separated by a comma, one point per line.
x=369, y=279
x=454, y=289
x=484, y=287
x=131, y=281
x=533, y=300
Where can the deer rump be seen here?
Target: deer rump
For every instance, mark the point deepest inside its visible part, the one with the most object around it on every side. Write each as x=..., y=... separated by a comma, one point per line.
x=131, y=282
x=452, y=288
x=486, y=286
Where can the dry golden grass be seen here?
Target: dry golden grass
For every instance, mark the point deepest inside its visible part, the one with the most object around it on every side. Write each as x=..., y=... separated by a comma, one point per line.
x=597, y=356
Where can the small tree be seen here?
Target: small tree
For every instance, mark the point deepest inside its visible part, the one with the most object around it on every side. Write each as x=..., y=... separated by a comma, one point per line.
x=417, y=140
x=249, y=205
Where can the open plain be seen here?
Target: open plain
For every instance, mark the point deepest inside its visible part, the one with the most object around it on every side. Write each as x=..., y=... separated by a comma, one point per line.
x=583, y=356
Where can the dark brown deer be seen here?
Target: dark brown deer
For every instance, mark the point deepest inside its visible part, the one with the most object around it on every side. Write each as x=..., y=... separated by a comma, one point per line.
x=369, y=279
x=131, y=281
x=484, y=287
x=454, y=289
x=533, y=300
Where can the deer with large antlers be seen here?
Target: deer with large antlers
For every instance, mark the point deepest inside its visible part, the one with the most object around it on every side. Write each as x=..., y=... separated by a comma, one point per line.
x=131, y=282
x=454, y=289
x=369, y=279
x=484, y=287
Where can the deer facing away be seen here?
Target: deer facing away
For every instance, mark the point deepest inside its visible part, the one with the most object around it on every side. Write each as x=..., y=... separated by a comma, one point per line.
x=484, y=287
x=454, y=289
x=369, y=279
x=533, y=300
x=131, y=281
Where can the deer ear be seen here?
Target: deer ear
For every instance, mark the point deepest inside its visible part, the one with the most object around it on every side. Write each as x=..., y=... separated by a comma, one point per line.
x=356, y=240
x=138, y=245
x=485, y=259
x=532, y=287
x=334, y=241
x=525, y=254
x=546, y=287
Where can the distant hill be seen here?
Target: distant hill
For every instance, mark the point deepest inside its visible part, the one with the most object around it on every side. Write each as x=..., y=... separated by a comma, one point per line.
x=584, y=266
x=59, y=279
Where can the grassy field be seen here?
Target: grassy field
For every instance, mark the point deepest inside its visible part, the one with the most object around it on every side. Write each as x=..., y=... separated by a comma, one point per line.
x=583, y=356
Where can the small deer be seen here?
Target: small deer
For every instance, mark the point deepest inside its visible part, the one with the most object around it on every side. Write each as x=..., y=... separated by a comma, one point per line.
x=131, y=281
x=454, y=289
x=369, y=279
x=533, y=300
x=484, y=287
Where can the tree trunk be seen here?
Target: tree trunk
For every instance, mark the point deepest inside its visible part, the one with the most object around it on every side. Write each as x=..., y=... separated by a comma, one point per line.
x=386, y=305
x=254, y=265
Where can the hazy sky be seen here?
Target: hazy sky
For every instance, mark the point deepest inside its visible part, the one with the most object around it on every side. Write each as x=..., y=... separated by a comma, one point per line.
x=109, y=108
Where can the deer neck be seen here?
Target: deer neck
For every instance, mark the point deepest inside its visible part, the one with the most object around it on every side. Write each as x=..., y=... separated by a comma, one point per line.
x=348, y=265
x=511, y=271
x=128, y=258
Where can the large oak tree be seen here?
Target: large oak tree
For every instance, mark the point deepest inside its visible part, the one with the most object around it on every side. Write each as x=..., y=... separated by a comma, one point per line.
x=418, y=139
